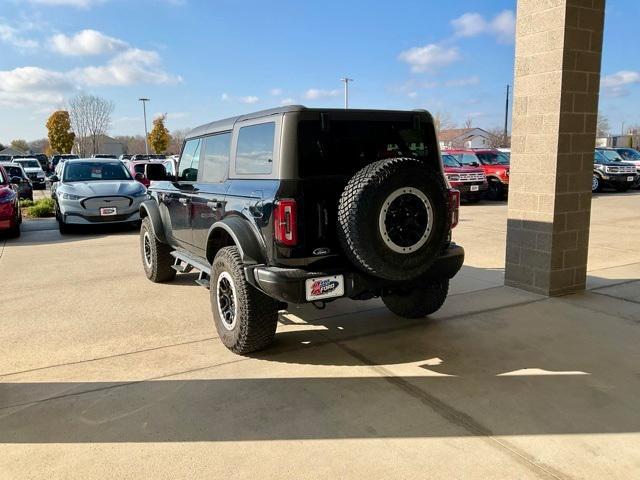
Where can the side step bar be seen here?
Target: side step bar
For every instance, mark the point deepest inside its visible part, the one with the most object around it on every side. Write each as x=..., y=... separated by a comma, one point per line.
x=185, y=263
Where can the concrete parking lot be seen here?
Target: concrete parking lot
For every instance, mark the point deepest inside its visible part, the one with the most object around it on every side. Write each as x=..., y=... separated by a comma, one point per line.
x=105, y=374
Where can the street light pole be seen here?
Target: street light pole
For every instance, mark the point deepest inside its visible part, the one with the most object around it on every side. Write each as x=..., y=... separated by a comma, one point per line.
x=346, y=91
x=506, y=118
x=144, y=110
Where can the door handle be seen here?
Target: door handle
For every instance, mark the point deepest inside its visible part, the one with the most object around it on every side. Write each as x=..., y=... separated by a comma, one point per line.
x=184, y=201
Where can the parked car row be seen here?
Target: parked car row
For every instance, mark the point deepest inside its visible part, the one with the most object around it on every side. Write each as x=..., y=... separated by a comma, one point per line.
x=478, y=173
x=618, y=168
x=10, y=214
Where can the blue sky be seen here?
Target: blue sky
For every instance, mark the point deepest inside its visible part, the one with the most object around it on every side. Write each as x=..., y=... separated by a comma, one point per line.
x=203, y=60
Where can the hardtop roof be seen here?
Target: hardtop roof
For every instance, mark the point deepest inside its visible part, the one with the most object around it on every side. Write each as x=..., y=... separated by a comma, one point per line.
x=227, y=124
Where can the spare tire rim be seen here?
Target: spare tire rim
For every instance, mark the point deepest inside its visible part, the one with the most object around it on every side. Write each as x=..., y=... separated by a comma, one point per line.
x=406, y=220
x=226, y=297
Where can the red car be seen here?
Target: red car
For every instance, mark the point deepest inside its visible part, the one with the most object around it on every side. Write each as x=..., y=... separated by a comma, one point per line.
x=495, y=165
x=10, y=216
x=147, y=170
x=470, y=181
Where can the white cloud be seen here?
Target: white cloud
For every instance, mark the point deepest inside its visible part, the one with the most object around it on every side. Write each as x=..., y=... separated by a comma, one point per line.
x=429, y=57
x=614, y=85
x=11, y=36
x=412, y=94
x=27, y=86
x=463, y=82
x=249, y=99
x=127, y=68
x=224, y=97
x=276, y=92
x=469, y=25
x=86, y=42
x=502, y=26
x=317, y=94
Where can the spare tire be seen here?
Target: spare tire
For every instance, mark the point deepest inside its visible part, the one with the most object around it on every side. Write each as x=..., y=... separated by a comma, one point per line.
x=393, y=218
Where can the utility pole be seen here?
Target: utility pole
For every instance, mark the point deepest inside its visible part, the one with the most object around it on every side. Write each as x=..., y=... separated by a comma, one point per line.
x=346, y=91
x=506, y=118
x=144, y=110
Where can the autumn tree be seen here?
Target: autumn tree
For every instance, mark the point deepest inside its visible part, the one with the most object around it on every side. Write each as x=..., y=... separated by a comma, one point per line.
x=159, y=137
x=20, y=144
x=61, y=137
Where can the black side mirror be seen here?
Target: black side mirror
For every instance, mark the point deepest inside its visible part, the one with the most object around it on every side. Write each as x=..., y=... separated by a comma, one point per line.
x=16, y=180
x=54, y=178
x=139, y=177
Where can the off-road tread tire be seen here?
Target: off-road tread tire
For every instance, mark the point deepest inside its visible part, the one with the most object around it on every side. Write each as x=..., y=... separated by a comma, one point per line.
x=365, y=252
x=161, y=260
x=419, y=302
x=257, y=313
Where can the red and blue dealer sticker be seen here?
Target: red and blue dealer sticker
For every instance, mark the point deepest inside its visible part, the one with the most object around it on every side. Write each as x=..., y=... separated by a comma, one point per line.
x=324, y=287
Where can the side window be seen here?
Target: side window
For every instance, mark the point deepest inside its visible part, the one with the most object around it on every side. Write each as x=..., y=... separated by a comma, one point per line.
x=188, y=170
x=255, y=149
x=215, y=165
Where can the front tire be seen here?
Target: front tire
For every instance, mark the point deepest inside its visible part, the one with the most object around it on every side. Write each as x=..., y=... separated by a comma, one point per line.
x=495, y=190
x=418, y=302
x=156, y=256
x=245, y=318
x=596, y=183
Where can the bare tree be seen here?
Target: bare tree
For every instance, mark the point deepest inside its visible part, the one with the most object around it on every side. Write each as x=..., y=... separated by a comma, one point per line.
x=602, y=127
x=90, y=118
x=497, y=140
x=177, y=138
x=443, y=121
x=468, y=122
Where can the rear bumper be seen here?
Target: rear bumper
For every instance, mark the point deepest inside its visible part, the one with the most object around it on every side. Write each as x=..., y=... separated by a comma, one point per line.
x=288, y=284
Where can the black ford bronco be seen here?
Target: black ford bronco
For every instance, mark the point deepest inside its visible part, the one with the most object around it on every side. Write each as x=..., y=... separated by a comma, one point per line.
x=295, y=205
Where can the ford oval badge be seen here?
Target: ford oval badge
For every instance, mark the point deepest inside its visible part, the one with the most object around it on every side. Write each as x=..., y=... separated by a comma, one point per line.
x=321, y=251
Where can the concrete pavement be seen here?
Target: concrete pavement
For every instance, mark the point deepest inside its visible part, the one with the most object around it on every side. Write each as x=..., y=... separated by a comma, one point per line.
x=104, y=374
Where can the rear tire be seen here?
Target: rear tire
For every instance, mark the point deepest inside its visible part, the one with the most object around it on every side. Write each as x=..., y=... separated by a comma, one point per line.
x=156, y=256
x=245, y=318
x=419, y=301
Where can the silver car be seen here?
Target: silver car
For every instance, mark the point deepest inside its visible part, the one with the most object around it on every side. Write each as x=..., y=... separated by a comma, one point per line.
x=96, y=191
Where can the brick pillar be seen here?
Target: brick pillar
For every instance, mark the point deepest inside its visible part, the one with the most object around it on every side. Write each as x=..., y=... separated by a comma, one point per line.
x=557, y=78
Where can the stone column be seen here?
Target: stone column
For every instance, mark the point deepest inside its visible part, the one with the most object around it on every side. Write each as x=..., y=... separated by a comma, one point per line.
x=557, y=79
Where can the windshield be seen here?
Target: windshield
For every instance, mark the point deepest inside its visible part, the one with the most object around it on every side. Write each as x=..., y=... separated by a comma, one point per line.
x=629, y=154
x=466, y=158
x=95, y=171
x=611, y=155
x=493, y=158
x=450, y=161
x=29, y=163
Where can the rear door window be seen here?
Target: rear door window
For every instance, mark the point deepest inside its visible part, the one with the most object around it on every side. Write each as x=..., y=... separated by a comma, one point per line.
x=215, y=164
x=254, y=154
x=188, y=170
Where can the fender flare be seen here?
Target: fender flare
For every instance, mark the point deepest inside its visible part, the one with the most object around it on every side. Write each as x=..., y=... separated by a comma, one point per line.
x=244, y=237
x=150, y=209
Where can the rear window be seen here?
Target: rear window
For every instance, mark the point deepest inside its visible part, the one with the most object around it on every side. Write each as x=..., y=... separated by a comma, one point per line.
x=29, y=163
x=347, y=146
x=497, y=158
x=13, y=171
x=139, y=168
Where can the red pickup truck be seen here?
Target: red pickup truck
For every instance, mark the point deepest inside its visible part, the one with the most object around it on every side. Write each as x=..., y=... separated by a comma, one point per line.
x=495, y=165
x=470, y=181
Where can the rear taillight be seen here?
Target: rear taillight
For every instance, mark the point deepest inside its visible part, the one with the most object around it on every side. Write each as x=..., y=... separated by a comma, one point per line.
x=454, y=207
x=285, y=222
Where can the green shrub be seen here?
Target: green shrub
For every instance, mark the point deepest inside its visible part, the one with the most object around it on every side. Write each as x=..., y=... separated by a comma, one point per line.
x=41, y=208
x=26, y=203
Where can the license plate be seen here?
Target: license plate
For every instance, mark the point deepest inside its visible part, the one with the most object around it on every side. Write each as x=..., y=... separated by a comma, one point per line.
x=106, y=211
x=324, y=287
x=630, y=179
x=475, y=188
